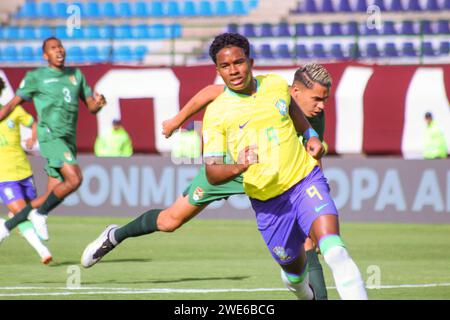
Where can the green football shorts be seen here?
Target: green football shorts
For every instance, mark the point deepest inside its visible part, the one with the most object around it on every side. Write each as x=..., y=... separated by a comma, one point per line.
x=57, y=152
x=201, y=192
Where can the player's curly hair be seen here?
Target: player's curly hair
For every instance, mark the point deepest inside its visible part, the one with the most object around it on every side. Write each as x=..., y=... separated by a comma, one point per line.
x=2, y=85
x=225, y=40
x=47, y=40
x=313, y=72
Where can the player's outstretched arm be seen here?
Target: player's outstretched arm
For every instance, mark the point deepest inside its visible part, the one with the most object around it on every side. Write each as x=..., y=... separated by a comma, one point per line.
x=32, y=141
x=194, y=105
x=9, y=107
x=95, y=103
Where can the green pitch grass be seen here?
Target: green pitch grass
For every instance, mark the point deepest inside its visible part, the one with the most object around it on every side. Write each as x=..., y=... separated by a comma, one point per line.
x=207, y=259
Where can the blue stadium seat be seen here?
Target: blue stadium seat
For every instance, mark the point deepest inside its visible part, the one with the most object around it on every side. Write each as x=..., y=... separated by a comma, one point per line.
x=139, y=52
x=344, y=6
x=444, y=48
x=122, y=54
x=92, y=54
x=141, y=9
x=408, y=50
x=283, y=30
x=62, y=32
x=205, y=8
x=123, y=32
x=92, y=32
x=318, y=29
x=370, y=30
x=11, y=32
x=266, y=30
x=108, y=10
x=443, y=27
x=301, y=52
x=92, y=9
x=27, y=32
x=43, y=32
x=282, y=51
x=222, y=8
x=265, y=51
x=427, y=49
x=252, y=4
x=318, y=51
x=253, y=53
x=352, y=28
x=372, y=50
x=124, y=9
x=28, y=11
x=27, y=54
x=432, y=5
x=408, y=28
x=157, y=31
x=361, y=6
x=425, y=27
x=389, y=28
x=300, y=30
x=60, y=10
x=327, y=6
x=156, y=9
x=447, y=5
x=140, y=31
x=106, y=53
x=248, y=30
x=397, y=5
x=336, y=51
x=353, y=51
x=106, y=31
x=390, y=50
x=310, y=6
x=45, y=10
x=172, y=8
x=238, y=8
x=189, y=9
x=413, y=5
x=380, y=4
x=10, y=54
x=175, y=30
x=233, y=28
x=75, y=54
x=335, y=29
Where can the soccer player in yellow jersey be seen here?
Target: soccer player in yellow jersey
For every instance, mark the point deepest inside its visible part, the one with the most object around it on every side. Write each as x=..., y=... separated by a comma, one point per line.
x=250, y=129
x=16, y=178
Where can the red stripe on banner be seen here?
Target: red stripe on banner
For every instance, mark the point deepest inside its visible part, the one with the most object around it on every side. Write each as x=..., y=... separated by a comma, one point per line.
x=384, y=109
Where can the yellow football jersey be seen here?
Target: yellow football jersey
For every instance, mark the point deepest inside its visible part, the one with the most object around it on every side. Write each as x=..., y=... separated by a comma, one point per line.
x=234, y=121
x=14, y=163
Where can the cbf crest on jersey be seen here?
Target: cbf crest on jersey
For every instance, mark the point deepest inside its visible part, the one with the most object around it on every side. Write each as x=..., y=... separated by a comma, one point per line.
x=281, y=253
x=281, y=106
x=73, y=80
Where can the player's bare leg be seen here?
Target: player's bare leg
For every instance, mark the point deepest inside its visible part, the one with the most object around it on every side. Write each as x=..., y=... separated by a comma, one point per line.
x=316, y=278
x=348, y=280
x=180, y=212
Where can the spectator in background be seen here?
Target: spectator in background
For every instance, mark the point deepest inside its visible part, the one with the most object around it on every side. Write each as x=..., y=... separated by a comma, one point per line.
x=435, y=146
x=114, y=143
x=187, y=143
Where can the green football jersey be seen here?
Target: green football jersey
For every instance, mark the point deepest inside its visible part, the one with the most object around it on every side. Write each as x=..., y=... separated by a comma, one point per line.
x=55, y=95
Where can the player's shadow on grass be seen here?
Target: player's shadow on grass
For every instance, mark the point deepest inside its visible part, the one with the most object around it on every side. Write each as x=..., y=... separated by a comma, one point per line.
x=69, y=263
x=235, y=278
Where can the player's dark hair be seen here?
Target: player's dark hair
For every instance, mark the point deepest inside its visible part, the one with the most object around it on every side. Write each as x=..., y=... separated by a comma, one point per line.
x=47, y=40
x=313, y=72
x=225, y=40
x=2, y=85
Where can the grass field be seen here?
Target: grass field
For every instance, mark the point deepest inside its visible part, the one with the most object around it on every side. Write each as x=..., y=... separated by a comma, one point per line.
x=209, y=259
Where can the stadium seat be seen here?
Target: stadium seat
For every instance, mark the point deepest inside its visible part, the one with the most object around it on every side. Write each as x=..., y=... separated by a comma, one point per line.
x=372, y=50
x=11, y=32
x=92, y=54
x=233, y=28
x=408, y=49
x=205, y=8
x=352, y=28
x=43, y=32
x=108, y=10
x=45, y=10
x=390, y=50
x=92, y=9
x=60, y=10
x=283, y=30
x=106, y=31
x=249, y=30
x=156, y=9
x=175, y=31
x=222, y=8
x=317, y=29
x=106, y=53
x=336, y=51
x=265, y=51
x=28, y=11
x=318, y=51
x=344, y=6
x=370, y=30
x=189, y=9
x=124, y=9
x=141, y=9
x=122, y=54
x=140, y=31
x=432, y=5
x=123, y=32
x=425, y=27
x=443, y=27
x=447, y=5
x=310, y=6
x=413, y=5
x=427, y=49
x=92, y=32
x=10, y=53
x=301, y=52
x=389, y=28
x=252, y=4
x=140, y=52
x=396, y=5
x=300, y=30
x=157, y=31
x=238, y=8
x=27, y=32
x=282, y=51
x=361, y=6
x=75, y=54
x=353, y=51
x=27, y=54
x=408, y=28
x=444, y=48
x=172, y=8
x=335, y=29
x=327, y=6
x=266, y=30
x=253, y=53
x=380, y=4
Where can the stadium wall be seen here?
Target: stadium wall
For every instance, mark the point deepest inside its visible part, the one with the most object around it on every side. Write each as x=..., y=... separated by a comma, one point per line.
x=372, y=110
x=364, y=189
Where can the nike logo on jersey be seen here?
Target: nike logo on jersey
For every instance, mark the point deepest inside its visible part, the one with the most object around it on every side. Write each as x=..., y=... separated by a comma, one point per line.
x=243, y=125
x=321, y=207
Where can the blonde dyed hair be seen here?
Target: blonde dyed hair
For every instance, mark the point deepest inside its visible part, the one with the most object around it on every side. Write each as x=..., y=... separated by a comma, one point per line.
x=313, y=72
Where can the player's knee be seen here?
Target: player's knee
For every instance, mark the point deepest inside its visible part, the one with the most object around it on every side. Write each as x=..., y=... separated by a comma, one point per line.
x=168, y=224
x=74, y=181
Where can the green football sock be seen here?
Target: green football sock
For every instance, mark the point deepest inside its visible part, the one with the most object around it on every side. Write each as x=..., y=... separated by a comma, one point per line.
x=49, y=204
x=316, y=278
x=18, y=218
x=24, y=226
x=144, y=224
